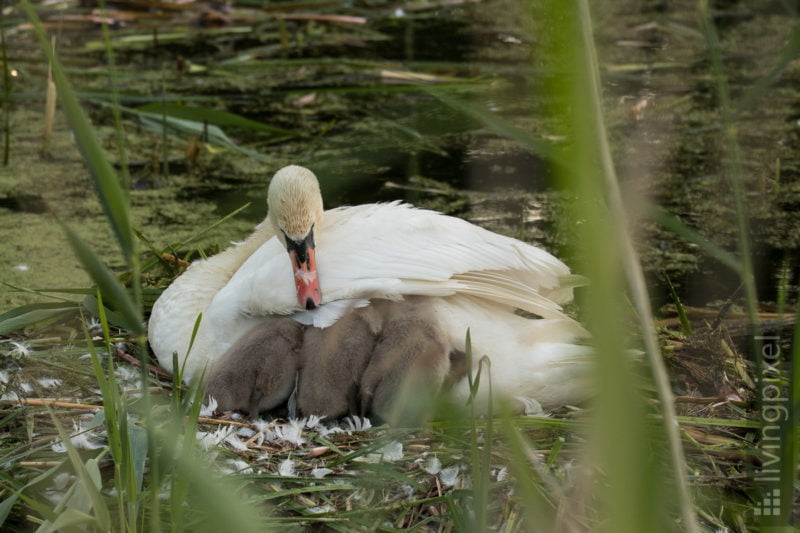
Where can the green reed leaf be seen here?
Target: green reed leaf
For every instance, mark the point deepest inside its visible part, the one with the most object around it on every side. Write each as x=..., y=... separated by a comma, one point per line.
x=113, y=198
x=112, y=290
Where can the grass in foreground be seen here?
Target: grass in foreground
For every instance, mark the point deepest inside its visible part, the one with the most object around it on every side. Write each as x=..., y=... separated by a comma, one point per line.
x=346, y=476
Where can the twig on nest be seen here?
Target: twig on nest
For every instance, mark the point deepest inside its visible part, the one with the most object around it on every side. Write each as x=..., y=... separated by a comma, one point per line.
x=136, y=362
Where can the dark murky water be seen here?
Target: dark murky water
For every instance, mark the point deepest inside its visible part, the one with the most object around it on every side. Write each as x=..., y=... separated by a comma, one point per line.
x=371, y=131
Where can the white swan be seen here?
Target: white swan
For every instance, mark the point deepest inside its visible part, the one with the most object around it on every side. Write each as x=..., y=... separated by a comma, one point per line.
x=344, y=258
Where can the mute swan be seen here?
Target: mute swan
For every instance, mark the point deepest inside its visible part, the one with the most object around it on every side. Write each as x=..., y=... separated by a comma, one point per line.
x=349, y=258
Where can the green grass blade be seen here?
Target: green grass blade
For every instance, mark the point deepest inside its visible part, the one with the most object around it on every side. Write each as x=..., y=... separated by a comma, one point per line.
x=500, y=126
x=674, y=224
x=213, y=116
x=482, y=468
x=112, y=197
x=137, y=437
x=226, y=507
x=68, y=520
x=30, y=314
x=635, y=278
x=171, y=126
x=538, y=511
x=791, y=432
x=686, y=326
x=783, y=285
x=6, y=506
x=789, y=53
x=87, y=476
x=734, y=162
x=108, y=284
x=620, y=438
x=91, y=304
x=113, y=409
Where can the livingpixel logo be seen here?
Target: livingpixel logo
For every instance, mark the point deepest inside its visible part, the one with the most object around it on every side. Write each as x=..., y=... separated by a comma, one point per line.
x=770, y=505
x=776, y=414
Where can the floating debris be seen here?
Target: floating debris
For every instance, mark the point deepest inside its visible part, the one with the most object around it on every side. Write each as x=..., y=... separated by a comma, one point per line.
x=49, y=383
x=433, y=466
x=286, y=468
x=82, y=439
x=319, y=473
x=449, y=476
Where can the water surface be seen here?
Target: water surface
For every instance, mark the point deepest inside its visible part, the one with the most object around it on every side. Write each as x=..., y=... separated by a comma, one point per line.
x=357, y=103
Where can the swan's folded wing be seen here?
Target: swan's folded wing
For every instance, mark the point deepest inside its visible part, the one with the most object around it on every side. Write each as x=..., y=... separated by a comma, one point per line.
x=391, y=250
x=397, y=241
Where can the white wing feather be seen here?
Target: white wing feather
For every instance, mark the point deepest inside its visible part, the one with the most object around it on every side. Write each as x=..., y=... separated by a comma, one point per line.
x=392, y=250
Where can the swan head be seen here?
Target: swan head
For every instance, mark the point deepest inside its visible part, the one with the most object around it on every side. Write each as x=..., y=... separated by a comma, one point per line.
x=294, y=204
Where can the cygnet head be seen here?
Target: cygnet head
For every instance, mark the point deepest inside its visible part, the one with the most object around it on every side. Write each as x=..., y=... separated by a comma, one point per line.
x=295, y=209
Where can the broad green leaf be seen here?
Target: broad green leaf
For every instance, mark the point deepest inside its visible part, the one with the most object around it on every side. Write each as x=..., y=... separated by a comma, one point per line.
x=109, y=286
x=181, y=127
x=27, y=315
x=94, y=473
x=211, y=116
x=91, y=304
x=67, y=519
x=5, y=507
x=137, y=436
x=224, y=498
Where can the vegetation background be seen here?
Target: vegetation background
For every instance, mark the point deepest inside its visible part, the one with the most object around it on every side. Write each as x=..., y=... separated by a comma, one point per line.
x=630, y=137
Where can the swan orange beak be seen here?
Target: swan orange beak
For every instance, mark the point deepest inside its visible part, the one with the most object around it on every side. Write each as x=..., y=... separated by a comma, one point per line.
x=304, y=265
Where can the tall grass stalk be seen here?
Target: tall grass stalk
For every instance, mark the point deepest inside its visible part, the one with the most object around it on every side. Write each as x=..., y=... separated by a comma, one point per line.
x=631, y=503
x=734, y=163
x=783, y=286
x=113, y=199
x=789, y=437
x=168, y=447
x=686, y=326
x=481, y=462
x=128, y=462
x=89, y=483
x=537, y=490
x=6, y=98
x=675, y=225
x=122, y=151
x=164, y=128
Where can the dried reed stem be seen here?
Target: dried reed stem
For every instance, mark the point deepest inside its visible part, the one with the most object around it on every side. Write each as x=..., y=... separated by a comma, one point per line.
x=49, y=106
